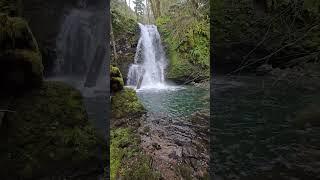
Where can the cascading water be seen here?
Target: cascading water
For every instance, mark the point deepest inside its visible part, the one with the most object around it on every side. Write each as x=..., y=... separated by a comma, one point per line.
x=150, y=61
x=81, y=56
x=82, y=60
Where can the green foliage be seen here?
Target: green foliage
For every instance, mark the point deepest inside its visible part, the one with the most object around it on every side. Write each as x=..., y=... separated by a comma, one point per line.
x=126, y=103
x=126, y=33
x=123, y=19
x=186, y=36
x=139, y=8
x=126, y=159
x=49, y=132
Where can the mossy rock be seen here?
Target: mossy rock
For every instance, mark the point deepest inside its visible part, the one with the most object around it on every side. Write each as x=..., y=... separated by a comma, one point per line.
x=16, y=34
x=48, y=134
x=116, y=83
x=126, y=103
x=20, y=60
x=127, y=161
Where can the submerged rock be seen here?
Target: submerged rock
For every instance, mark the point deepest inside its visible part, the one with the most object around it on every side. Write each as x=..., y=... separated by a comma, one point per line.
x=49, y=135
x=20, y=60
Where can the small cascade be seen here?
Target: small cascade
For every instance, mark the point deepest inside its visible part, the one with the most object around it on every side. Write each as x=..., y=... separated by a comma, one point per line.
x=150, y=61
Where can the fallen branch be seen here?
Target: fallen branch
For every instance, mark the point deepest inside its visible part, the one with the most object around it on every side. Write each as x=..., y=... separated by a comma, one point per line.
x=273, y=53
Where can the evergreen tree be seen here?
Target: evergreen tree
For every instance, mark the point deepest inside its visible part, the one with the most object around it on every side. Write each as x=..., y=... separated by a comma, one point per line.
x=139, y=8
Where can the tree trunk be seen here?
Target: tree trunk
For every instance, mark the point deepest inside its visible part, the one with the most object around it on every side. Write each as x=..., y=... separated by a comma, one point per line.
x=158, y=7
x=155, y=6
x=148, y=11
x=113, y=42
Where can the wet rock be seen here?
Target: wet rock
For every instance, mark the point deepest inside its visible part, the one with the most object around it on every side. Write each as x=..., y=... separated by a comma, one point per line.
x=178, y=142
x=156, y=146
x=173, y=155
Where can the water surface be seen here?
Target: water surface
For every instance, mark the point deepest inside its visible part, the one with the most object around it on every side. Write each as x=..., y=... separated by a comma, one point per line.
x=175, y=101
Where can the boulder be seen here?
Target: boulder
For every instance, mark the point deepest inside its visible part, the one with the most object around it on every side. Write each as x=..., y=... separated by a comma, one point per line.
x=20, y=60
x=116, y=83
x=125, y=104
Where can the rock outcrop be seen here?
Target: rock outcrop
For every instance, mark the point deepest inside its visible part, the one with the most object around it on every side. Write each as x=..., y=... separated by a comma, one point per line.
x=21, y=64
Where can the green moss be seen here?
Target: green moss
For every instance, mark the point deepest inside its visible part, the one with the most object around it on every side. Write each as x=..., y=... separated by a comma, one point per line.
x=188, y=50
x=115, y=72
x=16, y=34
x=116, y=83
x=126, y=103
x=49, y=133
x=126, y=159
x=20, y=59
x=30, y=58
x=126, y=35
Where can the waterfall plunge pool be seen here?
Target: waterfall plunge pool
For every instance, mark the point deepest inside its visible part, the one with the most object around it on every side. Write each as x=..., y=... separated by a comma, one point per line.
x=174, y=101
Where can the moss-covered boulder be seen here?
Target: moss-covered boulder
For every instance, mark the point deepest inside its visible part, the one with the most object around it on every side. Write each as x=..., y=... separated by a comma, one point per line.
x=20, y=60
x=116, y=83
x=48, y=135
x=126, y=103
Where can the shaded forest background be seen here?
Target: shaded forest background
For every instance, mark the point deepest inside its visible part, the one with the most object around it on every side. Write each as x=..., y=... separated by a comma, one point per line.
x=249, y=33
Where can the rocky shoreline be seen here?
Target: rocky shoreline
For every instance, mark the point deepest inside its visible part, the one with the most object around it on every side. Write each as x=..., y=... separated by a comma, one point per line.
x=178, y=146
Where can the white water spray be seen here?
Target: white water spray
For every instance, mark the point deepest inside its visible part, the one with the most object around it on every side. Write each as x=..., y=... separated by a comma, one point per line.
x=150, y=61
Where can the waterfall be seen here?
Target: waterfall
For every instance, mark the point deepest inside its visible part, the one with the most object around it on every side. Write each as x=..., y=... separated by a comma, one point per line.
x=81, y=47
x=82, y=61
x=150, y=61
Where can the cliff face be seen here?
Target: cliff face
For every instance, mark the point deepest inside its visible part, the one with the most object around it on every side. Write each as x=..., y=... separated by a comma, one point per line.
x=126, y=33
